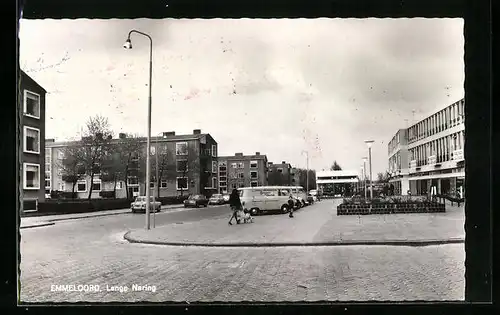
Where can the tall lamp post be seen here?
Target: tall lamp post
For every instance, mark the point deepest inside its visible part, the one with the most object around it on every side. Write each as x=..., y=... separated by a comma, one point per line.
x=128, y=45
x=364, y=174
x=307, y=171
x=369, y=145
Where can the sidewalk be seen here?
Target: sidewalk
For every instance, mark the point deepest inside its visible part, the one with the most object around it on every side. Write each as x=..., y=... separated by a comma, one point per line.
x=314, y=225
x=30, y=222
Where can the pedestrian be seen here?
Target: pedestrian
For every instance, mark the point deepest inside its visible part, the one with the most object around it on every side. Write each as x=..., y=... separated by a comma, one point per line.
x=291, y=205
x=235, y=204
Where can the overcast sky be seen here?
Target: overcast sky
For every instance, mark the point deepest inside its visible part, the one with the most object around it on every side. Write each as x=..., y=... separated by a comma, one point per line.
x=274, y=86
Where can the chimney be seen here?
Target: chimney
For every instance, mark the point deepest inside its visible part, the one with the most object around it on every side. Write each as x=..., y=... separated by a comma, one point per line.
x=283, y=162
x=257, y=153
x=238, y=154
x=122, y=135
x=169, y=133
x=196, y=131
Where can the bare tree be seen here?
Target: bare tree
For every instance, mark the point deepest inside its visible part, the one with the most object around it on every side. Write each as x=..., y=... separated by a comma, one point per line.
x=303, y=178
x=129, y=152
x=335, y=166
x=96, y=140
x=112, y=168
x=166, y=166
x=72, y=165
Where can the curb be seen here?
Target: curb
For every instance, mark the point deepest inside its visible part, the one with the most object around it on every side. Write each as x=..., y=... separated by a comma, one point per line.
x=416, y=243
x=36, y=225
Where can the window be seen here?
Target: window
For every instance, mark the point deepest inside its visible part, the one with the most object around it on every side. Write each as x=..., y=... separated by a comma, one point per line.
x=31, y=104
x=234, y=165
x=254, y=184
x=31, y=176
x=47, y=181
x=60, y=155
x=31, y=140
x=61, y=186
x=253, y=174
x=182, y=166
x=241, y=165
x=224, y=174
x=163, y=183
x=241, y=175
x=151, y=184
x=119, y=185
x=181, y=148
x=253, y=164
x=96, y=185
x=214, y=167
x=182, y=183
x=214, y=182
x=280, y=170
x=214, y=150
x=223, y=178
x=153, y=150
x=234, y=185
x=223, y=184
x=133, y=181
x=81, y=186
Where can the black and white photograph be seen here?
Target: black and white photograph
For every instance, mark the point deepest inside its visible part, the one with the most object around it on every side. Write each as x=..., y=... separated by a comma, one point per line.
x=230, y=160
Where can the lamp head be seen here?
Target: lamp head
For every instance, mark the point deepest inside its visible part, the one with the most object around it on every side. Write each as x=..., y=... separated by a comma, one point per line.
x=128, y=44
x=369, y=143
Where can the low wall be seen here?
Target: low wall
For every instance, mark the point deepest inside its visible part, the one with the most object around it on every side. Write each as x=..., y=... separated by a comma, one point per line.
x=389, y=208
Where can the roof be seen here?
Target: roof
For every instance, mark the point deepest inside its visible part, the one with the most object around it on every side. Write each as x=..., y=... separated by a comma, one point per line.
x=239, y=157
x=336, y=173
x=25, y=76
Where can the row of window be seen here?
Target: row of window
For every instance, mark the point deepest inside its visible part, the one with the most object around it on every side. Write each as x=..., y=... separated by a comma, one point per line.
x=182, y=148
x=395, y=162
x=444, y=119
x=241, y=185
x=437, y=151
x=394, y=142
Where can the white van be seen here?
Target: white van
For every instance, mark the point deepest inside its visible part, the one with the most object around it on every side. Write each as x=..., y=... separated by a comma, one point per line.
x=265, y=198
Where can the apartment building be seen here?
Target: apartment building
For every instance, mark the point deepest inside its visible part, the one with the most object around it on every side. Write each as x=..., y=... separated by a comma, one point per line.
x=280, y=174
x=32, y=145
x=187, y=164
x=398, y=162
x=240, y=170
x=435, y=148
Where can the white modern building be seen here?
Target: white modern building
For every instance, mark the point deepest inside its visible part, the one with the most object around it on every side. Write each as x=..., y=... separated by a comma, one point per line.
x=431, y=154
x=336, y=182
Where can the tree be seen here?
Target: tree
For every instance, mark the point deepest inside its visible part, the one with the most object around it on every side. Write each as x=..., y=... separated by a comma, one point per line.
x=96, y=140
x=72, y=166
x=128, y=151
x=112, y=168
x=166, y=166
x=276, y=178
x=335, y=167
x=383, y=177
x=188, y=165
x=303, y=178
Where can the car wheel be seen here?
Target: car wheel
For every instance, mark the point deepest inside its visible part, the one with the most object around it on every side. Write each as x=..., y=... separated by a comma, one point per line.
x=206, y=205
x=254, y=211
x=284, y=208
x=303, y=203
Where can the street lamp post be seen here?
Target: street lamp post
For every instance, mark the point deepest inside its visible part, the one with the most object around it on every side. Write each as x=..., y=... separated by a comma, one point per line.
x=307, y=171
x=369, y=144
x=364, y=174
x=128, y=45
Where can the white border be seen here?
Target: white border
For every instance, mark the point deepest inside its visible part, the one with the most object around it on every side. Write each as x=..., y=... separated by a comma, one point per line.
x=24, y=176
x=25, y=104
x=24, y=140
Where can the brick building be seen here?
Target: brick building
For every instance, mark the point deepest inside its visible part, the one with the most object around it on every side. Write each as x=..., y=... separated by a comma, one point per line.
x=31, y=103
x=281, y=174
x=242, y=171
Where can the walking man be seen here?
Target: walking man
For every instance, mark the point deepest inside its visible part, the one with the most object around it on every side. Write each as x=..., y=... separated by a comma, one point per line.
x=235, y=204
x=291, y=204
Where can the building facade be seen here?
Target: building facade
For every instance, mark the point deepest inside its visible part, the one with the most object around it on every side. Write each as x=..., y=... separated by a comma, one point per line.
x=240, y=170
x=32, y=144
x=398, y=162
x=436, y=152
x=281, y=174
x=336, y=183
x=187, y=164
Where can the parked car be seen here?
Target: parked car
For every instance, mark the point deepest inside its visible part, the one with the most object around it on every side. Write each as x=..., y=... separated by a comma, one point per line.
x=139, y=204
x=216, y=199
x=226, y=198
x=196, y=201
x=311, y=199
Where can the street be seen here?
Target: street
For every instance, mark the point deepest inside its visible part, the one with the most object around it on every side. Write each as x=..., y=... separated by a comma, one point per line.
x=92, y=252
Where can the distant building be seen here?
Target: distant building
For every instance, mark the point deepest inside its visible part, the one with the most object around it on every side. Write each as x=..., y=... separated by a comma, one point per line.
x=331, y=183
x=32, y=145
x=398, y=162
x=281, y=174
x=197, y=150
x=435, y=150
x=240, y=170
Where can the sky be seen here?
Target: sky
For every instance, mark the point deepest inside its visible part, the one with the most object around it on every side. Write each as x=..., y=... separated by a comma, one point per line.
x=281, y=87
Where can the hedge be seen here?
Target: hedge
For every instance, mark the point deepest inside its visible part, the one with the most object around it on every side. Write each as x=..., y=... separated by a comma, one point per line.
x=83, y=205
x=387, y=208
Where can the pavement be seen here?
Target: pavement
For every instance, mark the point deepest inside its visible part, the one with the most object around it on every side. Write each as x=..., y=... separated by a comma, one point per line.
x=39, y=221
x=315, y=225
x=92, y=251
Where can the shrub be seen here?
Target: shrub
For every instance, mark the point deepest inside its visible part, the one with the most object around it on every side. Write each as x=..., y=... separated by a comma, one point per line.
x=107, y=194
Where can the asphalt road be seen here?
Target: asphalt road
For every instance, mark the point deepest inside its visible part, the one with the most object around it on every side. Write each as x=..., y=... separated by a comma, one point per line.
x=92, y=251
